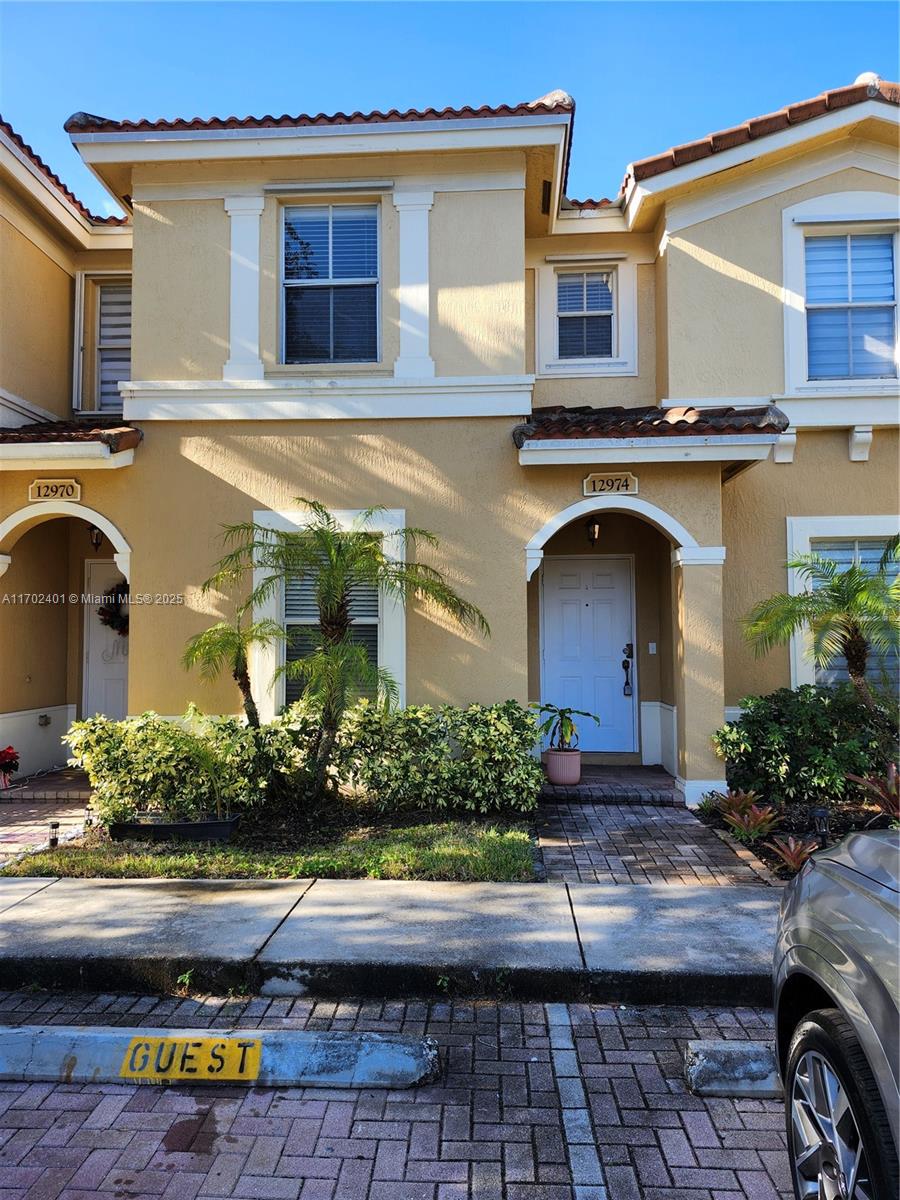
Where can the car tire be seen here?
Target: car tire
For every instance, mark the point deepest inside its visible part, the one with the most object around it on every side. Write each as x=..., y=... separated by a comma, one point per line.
x=824, y=1040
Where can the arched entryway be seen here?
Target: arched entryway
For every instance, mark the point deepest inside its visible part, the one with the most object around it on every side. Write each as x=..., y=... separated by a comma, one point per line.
x=61, y=563
x=624, y=619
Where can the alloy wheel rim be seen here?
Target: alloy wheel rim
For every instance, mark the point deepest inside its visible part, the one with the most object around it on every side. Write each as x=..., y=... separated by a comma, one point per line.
x=830, y=1160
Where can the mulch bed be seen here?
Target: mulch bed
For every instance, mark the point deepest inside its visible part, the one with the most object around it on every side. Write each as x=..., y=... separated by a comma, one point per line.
x=845, y=816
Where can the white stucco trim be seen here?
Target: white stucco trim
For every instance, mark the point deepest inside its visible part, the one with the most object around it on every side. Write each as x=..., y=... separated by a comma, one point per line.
x=16, y=411
x=785, y=448
x=325, y=399
x=51, y=456
x=624, y=361
x=556, y=451
x=631, y=505
x=844, y=210
x=801, y=532
x=244, y=362
x=698, y=556
x=659, y=735
x=414, y=360
x=39, y=746
x=832, y=407
x=693, y=790
x=265, y=661
x=860, y=443
x=46, y=510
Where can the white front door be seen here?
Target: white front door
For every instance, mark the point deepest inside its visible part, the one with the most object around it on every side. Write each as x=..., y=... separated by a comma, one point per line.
x=105, y=650
x=587, y=632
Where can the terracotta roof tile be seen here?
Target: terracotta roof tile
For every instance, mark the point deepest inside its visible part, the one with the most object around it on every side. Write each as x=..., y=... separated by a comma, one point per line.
x=559, y=422
x=113, y=433
x=54, y=180
x=554, y=102
x=758, y=127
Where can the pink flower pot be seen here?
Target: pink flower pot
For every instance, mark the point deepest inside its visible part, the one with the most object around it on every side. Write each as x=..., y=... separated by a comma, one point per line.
x=564, y=767
x=5, y=780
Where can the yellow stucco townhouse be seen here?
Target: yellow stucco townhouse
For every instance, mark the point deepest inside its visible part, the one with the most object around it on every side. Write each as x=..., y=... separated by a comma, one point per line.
x=621, y=417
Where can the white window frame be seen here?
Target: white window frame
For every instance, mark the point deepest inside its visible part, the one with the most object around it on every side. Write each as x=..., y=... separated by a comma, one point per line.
x=801, y=533
x=838, y=213
x=623, y=360
x=284, y=284
x=265, y=660
x=612, y=312
x=82, y=278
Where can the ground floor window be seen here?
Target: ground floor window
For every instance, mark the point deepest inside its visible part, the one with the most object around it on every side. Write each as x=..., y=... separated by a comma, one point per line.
x=301, y=620
x=883, y=669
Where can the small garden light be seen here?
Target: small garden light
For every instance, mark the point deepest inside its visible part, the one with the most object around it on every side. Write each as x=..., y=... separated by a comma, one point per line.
x=88, y=816
x=54, y=834
x=820, y=815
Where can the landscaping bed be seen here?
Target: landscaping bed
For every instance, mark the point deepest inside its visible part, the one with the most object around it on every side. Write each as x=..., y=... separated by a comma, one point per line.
x=844, y=816
x=344, y=843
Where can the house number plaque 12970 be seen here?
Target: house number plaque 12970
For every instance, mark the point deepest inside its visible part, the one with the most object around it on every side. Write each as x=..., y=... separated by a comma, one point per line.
x=54, y=489
x=611, y=485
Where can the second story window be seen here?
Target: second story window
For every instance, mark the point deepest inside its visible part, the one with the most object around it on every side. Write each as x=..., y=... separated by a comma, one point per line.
x=330, y=283
x=585, y=314
x=851, y=306
x=113, y=343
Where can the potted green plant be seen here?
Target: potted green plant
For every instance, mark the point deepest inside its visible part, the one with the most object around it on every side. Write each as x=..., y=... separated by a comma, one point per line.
x=563, y=761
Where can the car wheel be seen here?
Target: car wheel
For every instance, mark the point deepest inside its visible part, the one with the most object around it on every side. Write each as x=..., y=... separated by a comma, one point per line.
x=839, y=1138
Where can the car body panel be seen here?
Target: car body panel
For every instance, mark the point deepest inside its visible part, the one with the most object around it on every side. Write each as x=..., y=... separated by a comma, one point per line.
x=839, y=927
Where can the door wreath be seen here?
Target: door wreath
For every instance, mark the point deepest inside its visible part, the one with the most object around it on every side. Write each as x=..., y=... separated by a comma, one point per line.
x=114, y=610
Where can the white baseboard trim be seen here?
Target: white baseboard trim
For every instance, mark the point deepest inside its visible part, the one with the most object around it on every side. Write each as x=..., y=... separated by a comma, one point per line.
x=659, y=734
x=39, y=746
x=693, y=790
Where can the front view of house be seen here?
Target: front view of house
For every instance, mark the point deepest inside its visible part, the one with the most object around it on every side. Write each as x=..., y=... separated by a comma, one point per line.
x=620, y=417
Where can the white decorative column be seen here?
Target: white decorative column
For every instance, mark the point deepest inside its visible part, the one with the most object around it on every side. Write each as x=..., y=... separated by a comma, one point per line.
x=243, y=314
x=414, y=360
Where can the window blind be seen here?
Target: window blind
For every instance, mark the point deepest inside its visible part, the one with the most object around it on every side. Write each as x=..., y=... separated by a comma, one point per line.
x=882, y=669
x=331, y=283
x=301, y=619
x=584, y=305
x=851, y=306
x=113, y=344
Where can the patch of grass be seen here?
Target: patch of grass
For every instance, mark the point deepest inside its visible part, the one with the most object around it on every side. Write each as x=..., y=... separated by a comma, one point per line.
x=445, y=850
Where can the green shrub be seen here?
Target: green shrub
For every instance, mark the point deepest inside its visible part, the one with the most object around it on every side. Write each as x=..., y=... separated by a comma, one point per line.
x=181, y=769
x=475, y=759
x=799, y=745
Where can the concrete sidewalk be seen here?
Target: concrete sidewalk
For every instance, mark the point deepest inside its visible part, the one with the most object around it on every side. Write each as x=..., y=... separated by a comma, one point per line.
x=634, y=944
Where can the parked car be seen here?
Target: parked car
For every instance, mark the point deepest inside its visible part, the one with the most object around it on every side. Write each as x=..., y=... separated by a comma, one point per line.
x=837, y=963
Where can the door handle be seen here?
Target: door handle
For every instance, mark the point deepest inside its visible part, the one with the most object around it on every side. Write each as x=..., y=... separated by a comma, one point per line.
x=628, y=649
x=626, y=667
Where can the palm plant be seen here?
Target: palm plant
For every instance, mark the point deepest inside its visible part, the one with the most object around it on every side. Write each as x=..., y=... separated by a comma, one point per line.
x=849, y=612
x=226, y=646
x=336, y=560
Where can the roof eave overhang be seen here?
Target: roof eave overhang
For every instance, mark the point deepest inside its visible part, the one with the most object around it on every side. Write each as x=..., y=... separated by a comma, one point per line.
x=549, y=452
x=57, y=206
x=638, y=194
x=57, y=456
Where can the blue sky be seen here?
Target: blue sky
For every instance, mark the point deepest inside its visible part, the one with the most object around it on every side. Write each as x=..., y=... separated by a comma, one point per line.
x=645, y=75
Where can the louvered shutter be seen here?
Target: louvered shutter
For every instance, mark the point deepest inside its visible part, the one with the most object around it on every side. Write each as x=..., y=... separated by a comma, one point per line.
x=301, y=620
x=114, y=344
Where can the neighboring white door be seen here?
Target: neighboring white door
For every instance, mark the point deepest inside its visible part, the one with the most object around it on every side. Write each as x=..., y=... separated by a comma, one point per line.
x=105, y=651
x=587, y=632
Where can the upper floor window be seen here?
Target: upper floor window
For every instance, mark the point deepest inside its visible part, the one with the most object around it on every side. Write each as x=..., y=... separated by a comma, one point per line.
x=113, y=343
x=585, y=309
x=851, y=306
x=330, y=283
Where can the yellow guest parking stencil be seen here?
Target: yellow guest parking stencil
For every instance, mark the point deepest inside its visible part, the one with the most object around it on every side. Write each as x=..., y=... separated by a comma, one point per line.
x=210, y=1059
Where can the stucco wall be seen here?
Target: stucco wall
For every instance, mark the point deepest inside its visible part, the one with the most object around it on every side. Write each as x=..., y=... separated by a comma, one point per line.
x=459, y=478
x=755, y=505
x=36, y=299
x=181, y=281
x=724, y=279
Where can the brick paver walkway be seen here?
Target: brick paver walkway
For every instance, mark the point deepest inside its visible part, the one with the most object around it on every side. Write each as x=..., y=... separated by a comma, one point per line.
x=538, y=1102
x=26, y=826
x=637, y=843
x=68, y=783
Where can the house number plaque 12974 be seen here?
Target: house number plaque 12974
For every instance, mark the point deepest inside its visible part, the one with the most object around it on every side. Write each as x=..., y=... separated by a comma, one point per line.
x=611, y=485
x=54, y=489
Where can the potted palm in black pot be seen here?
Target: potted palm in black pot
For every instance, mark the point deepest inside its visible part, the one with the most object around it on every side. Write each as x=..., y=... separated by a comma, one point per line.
x=563, y=758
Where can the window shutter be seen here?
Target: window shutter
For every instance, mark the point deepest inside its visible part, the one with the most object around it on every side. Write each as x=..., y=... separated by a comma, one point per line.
x=114, y=344
x=883, y=667
x=301, y=619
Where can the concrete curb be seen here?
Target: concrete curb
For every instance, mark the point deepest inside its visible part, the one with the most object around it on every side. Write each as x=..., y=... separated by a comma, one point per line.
x=252, y=1057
